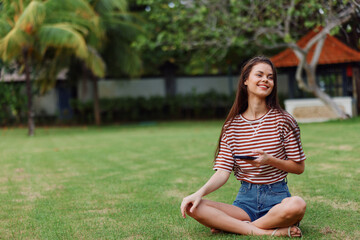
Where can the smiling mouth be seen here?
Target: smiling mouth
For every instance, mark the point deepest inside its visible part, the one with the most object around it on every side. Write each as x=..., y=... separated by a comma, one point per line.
x=263, y=87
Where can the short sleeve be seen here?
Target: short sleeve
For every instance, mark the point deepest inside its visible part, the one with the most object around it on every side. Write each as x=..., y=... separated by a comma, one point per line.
x=224, y=159
x=292, y=142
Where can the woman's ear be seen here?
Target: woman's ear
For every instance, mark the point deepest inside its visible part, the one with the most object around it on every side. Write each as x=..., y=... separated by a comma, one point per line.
x=246, y=82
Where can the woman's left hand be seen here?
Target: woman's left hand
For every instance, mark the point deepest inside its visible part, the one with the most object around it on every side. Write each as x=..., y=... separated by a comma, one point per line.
x=262, y=159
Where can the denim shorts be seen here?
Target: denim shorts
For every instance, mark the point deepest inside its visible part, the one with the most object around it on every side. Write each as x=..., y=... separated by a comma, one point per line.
x=257, y=199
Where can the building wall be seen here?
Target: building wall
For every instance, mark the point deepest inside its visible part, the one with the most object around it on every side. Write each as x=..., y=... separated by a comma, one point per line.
x=46, y=104
x=221, y=84
x=113, y=88
x=283, y=84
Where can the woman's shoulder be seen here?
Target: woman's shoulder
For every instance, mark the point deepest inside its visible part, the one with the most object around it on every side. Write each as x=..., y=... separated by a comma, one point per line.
x=285, y=118
x=233, y=121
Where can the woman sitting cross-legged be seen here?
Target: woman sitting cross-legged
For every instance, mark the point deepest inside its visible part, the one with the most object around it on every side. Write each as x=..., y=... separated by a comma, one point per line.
x=256, y=126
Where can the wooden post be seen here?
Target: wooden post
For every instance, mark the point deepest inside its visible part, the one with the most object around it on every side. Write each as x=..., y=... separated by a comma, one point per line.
x=97, y=110
x=356, y=80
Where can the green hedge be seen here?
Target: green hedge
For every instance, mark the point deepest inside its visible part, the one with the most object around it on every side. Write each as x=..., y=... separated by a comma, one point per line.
x=13, y=104
x=188, y=106
x=211, y=105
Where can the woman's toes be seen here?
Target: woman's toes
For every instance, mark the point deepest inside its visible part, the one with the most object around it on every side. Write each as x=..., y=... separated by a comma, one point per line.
x=288, y=231
x=295, y=232
x=214, y=231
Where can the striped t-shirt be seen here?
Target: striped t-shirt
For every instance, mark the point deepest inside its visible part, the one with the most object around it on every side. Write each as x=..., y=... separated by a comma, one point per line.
x=276, y=133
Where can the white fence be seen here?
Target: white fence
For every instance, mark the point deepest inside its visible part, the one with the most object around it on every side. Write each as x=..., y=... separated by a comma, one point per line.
x=314, y=110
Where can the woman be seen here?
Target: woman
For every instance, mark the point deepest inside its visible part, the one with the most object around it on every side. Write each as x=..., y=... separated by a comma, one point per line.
x=256, y=126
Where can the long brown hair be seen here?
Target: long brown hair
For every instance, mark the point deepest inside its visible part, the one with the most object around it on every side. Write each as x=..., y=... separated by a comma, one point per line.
x=241, y=100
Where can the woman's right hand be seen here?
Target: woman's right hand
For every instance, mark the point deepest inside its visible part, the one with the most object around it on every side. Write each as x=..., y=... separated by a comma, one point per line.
x=218, y=179
x=192, y=200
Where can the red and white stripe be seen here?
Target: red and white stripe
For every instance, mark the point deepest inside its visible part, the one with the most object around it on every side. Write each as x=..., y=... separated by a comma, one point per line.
x=276, y=133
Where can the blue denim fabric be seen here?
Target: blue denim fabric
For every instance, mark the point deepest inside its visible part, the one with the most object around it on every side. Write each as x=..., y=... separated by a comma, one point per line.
x=257, y=199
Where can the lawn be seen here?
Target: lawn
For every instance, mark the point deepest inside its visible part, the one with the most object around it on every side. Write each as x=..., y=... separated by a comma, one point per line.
x=127, y=182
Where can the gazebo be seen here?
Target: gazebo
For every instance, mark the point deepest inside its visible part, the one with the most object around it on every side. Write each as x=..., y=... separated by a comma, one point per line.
x=338, y=70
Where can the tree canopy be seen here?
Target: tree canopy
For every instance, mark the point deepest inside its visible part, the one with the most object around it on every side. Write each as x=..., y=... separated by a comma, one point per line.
x=215, y=31
x=218, y=32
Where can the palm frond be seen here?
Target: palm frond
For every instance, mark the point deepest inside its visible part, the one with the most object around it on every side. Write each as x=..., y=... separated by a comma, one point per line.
x=95, y=63
x=123, y=59
x=12, y=44
x=80, y=6
x=4, y=28
x=49, y=70
x=63, y=35
x=130, y=16
x=77, y=12
x=72, y=18
x=32, y=17
x=105, y=6
x=125, y=29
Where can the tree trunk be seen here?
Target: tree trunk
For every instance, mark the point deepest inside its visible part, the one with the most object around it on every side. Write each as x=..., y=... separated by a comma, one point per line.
x=31, y=125
x=169, y=71
x=330, y=103
x=312, y=85
x=97, y=111
x=356, y=77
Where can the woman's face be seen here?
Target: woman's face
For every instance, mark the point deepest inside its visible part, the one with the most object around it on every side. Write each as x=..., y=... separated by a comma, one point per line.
x=260, y=82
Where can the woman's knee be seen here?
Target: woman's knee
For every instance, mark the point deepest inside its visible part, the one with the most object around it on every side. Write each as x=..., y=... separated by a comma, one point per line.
x=294, y=207
x=195, y=213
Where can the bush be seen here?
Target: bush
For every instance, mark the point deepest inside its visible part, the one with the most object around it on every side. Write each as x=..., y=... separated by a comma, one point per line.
x=188, y=106
x=13, y=104
x=210, y=105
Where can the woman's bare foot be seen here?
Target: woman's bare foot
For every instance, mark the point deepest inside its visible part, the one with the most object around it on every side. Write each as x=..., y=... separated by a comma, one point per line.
x=292, y=231
x=215, y=231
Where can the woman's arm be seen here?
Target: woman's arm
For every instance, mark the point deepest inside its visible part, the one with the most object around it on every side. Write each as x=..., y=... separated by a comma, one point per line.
x=287, y=166
x=218, y=179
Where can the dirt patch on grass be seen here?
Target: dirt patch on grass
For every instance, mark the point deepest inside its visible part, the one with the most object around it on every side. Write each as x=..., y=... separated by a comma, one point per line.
x=4, y=190
x=29, y=194
x=349, y=205
x=53, y=187
x=340, y=147
x=125, y=196
x=175, y=193
x=181, y=231
x=61, y=149
x=327, y=230
x=335, y=235
x=329, y=166
x=3, y=179
x=179, y=180
x=31, y=197
x=103, y=211
x=20, y=175
x=134, y=237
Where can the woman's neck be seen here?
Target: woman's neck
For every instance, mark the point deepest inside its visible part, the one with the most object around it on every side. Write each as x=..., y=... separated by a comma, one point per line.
x=256, y=108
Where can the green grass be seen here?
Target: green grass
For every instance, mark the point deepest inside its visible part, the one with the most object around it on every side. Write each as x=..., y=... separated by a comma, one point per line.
x=127, y=182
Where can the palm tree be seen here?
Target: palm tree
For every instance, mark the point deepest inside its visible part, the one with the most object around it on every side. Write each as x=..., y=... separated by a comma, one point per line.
x=36, y=34
x=120, y=30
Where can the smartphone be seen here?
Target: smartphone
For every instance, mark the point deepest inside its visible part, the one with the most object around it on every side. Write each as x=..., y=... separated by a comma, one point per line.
x=244, y=157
